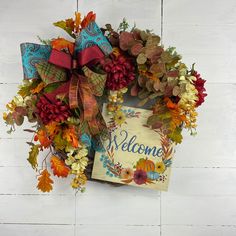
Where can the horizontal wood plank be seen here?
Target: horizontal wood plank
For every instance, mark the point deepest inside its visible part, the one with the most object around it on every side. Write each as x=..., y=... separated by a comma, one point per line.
x=197, y=230
x=37, y=209
x=200, y=210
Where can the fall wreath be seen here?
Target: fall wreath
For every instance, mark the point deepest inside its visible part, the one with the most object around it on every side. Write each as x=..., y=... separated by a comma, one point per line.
x=66, y=81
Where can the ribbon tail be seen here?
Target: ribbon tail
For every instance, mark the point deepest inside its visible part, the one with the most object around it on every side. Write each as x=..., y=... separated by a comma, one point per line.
x=80, y=93
x=73, y=91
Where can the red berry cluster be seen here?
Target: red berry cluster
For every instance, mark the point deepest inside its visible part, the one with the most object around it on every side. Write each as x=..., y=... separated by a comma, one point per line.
x=52, y=112
x=199, y=85
x=120, y=72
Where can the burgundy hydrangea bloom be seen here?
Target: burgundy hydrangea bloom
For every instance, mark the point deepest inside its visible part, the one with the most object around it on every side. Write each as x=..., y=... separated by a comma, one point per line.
x=140, y=177
x=199, y=85
x=52, y=112
x=120, y=72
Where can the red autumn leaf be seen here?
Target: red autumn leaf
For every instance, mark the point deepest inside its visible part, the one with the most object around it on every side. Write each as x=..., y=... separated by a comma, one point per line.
x=59, y=168
x=88, y=19
x=61, y=43
x=45, y=182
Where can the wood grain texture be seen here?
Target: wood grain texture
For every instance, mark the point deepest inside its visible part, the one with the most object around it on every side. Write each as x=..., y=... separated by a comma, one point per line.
x=201, y=198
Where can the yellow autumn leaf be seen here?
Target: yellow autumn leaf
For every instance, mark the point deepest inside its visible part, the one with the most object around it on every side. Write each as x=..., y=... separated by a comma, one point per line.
x=33, y=155
x=39, y=87
x=77, y=22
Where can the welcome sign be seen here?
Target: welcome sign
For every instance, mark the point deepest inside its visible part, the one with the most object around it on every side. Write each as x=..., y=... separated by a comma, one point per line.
x=135, y=154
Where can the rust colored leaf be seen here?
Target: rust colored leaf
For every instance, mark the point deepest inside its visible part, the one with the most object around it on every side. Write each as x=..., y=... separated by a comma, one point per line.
x=59, y=168
x=70, y=136
x=61, y=43
x=45, y=182
x=42, y=137
x=77, y=21
x=88, y=19
x=52, y=129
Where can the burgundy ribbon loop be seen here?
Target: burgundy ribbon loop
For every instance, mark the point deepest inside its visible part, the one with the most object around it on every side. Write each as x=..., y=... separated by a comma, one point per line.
x=84, y=57
x=79, y=87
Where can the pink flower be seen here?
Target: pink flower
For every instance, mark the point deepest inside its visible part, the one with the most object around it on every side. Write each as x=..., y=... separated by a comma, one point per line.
x=140, y=177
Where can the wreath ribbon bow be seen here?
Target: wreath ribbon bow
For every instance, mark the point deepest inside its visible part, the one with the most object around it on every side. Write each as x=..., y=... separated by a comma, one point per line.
x=83, y=87
x=55, y=66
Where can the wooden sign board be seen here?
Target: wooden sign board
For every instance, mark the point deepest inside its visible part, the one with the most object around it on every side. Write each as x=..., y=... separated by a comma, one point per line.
x=135, y=154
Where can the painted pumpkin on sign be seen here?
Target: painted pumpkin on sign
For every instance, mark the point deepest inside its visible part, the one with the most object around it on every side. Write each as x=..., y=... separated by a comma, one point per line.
x=153, y=175
x=146, y=165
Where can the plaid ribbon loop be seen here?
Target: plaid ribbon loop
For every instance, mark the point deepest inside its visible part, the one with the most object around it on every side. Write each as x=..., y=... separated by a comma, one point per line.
x=82, y=90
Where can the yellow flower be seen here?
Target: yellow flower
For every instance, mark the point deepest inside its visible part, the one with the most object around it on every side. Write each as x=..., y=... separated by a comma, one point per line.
x=189, y=97
x=116, y=51
x=119, y=118
x=18, y=101
x=160, y=167
x=79, y=180
x=4, y=116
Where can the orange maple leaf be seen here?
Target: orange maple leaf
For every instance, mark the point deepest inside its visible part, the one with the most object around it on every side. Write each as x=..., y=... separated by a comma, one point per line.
x=70, y=135
x=88, y=19
x=42, y=137
x=45, y=182
x=61, y=43
x=59, y=168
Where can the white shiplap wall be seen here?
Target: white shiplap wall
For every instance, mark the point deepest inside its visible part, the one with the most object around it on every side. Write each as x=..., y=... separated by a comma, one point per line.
x=202, y=196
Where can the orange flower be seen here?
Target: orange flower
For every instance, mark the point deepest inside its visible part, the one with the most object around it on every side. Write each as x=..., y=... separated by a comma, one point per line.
x=126, y=173
x=170, y=104
x=178, y=117
x=88, y=19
